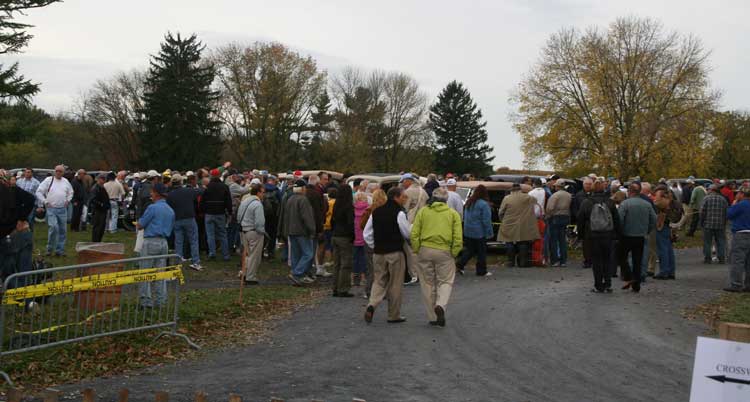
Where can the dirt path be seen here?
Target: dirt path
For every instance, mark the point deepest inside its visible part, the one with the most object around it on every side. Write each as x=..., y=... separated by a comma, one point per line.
x=521, y=335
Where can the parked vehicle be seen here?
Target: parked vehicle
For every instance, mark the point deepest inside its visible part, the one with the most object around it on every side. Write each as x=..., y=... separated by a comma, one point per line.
x=336, y=177
x=496, y=191
x=384, y=180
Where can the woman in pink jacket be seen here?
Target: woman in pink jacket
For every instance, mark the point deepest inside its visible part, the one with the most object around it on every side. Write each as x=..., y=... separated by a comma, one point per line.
x=360, y=262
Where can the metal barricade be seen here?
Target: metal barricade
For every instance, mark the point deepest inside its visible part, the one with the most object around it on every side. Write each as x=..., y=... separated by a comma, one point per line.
x=56, y=306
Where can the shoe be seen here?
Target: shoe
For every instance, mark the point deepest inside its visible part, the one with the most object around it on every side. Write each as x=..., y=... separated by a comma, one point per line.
x=555, y=265
x=595, y=290
x=433, y=323
x=440, y=312
x=661, y=277
x=608, y=290
x=733, y=289
x=366, y=296
x=461, y=271
x=344, y=294
x=369, y=313
x=306, y=280
x=399, y=321
x=196, y=267
x=295, y=281
x=671, y=276
x=413, y=281
x=722, y=262
x=251, y=283
x=636, y=287
x=627, y=285
x=485, y=274
x=48, y=254
x=707, y=261
x=320, y=271
x=563, y=265
x=651, y=274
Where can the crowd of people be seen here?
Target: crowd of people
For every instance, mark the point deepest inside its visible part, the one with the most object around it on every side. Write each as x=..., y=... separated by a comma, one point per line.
x=411, y=234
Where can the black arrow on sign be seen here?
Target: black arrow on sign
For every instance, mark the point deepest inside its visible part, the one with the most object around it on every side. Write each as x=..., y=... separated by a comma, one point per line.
x=723, y=378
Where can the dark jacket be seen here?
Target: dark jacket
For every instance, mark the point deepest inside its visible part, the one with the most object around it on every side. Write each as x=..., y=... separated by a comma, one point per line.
x=388, y=238
x=584, y=216
x=575, y=205
x=216, y=200
x=184, y=202
x=342, y=221
x=430, y=186
x=79, y=193
x=319, y=207
x=99, y=199
x=296, y=218
x=15, y=205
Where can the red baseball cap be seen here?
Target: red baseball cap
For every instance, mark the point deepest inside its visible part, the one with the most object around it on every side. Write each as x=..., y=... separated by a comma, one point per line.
x=298, y=173
x=215, y=173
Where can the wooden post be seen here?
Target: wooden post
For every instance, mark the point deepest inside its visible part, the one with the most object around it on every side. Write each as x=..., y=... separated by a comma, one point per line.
x=123, y=395
x=89, y=395
x=200, y=396
x=14, y=395
x=51, y=395
x=242, y=277
x=162, y=396
x=235, y=398
x=734, y=332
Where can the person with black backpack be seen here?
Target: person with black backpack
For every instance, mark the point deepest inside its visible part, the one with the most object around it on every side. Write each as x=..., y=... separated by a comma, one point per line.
x=16, y=242
x=601, y=224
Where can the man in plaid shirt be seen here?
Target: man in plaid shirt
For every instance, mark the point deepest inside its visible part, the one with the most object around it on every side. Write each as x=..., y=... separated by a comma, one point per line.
x=713, y=219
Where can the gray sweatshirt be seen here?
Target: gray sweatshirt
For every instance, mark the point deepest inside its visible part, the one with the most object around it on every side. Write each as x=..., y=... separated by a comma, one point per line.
x=637, y=217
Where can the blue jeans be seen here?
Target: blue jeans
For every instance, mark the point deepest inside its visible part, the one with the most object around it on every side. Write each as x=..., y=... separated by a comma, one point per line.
x=302, y=254
x=30, y=219
x=360, y=260
x=153, y=246
x=187, y=229
x=114, y=215
x=720, y=235
x=233, y=234
x=15, y=256
x=216, y=229
x=558, y=243
x=57, y=220
x=665, y=251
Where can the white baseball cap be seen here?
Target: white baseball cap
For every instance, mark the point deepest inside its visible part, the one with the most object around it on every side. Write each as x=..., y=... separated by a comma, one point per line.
x=152, y=173
x=450, y=182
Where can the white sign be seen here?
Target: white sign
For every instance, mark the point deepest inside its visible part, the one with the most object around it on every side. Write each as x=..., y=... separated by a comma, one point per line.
x=721, y=372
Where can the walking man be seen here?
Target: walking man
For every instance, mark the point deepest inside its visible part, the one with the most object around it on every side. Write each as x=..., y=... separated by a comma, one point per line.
x=157, y=223
x=638, y=219
x=298, y=226
x=385, y=232
x=416, y=199
x=713, y=220
x=739, y=214
x=437, y=238
x=252, y=220
x=55, y=193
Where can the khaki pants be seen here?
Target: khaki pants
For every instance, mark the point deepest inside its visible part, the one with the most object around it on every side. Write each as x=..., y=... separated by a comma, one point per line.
x=437, y=272
x=412, y=261
x=253, y=244
x=343, y=260
x=388, y=281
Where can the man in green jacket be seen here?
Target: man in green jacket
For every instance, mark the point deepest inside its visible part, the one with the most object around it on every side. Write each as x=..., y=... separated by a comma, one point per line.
x=437, y=238
x=696, y=201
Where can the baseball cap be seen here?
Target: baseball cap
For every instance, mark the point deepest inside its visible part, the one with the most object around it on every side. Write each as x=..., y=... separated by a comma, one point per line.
x=408, y=176
x=272, y=177
x=102, y=176
x=160, y=188
x=215, y=173
x=450, y=182
x=167, y=173
x=255, y=181
x=297, y=173
x=300, y=183
x=190, y=173
x=152, y=173
x=176, y=177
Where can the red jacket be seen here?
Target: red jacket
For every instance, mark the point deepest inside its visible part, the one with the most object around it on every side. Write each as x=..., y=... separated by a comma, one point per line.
x=728, y=194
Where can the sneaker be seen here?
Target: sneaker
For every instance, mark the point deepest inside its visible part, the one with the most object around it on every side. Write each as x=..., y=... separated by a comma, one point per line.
x=563, y=265
x=413, y=281
x=440, y=312
x=369, y=313
x=305, y=280
x=321, y=271
x=196, y=267
x=295, y=281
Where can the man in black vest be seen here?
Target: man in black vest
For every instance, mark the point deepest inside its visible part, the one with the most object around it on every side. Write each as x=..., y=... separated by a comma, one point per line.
x=385, y=233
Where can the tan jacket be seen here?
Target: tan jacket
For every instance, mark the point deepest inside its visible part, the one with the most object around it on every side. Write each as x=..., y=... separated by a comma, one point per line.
x=518, y=222
x=559, y=203
x=417, y=200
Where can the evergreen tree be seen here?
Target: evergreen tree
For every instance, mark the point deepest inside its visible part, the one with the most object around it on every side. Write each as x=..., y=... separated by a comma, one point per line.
x=320, y=119
x=179, y=128
x=13, y=38
x=459, y=132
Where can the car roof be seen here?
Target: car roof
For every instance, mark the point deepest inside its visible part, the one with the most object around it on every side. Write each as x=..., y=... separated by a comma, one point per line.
x=491, y=185
x=375, y=177
x=307, y=173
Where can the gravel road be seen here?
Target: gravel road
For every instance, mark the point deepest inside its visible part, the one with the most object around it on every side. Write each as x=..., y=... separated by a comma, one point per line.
x=520, y=335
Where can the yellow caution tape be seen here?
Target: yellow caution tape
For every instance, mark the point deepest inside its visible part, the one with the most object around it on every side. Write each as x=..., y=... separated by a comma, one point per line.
x=61, y=326
x=97, y=281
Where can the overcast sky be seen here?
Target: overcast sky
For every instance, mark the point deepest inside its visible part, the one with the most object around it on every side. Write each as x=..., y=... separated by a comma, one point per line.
x=488, y=45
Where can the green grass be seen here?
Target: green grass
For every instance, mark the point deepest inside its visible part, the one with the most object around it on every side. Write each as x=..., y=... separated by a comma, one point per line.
x=211, y=315
x=737, y=308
